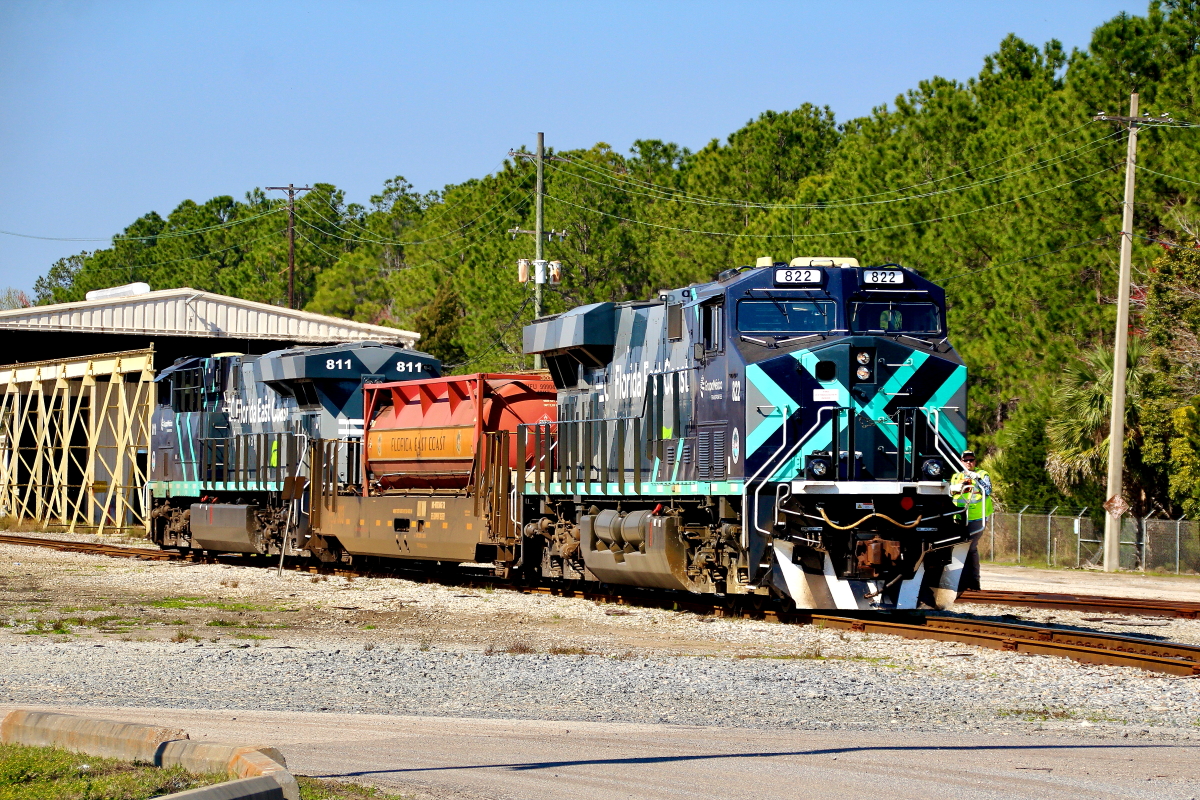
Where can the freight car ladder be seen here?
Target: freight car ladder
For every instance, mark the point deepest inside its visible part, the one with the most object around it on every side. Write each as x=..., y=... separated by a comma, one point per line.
x=493, y=493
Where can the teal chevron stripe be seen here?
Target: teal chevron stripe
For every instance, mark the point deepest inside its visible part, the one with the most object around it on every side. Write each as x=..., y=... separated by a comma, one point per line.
x=820, y=440
x=782, y=401
x=809, y=361
x=951, y=385
x=874, y=409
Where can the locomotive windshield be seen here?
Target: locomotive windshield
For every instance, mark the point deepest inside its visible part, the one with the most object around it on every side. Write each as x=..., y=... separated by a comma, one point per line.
x=785, y=315
x=895, y=318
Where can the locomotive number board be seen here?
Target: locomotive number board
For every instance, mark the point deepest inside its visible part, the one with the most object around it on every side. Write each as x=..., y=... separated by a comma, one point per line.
x=798, y=276
x=888, y=277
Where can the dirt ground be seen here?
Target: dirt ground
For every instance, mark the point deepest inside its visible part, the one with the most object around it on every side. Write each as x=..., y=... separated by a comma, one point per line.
x=71, y=595
x=47, y=593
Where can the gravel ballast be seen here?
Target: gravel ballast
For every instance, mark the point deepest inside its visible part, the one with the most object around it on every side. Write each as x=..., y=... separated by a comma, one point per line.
x=87, y=630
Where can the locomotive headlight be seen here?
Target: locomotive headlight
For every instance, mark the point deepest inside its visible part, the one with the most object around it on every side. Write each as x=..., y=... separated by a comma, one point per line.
x=933, y=468
x=863, y=373
x=863, y=357
x=819, y=467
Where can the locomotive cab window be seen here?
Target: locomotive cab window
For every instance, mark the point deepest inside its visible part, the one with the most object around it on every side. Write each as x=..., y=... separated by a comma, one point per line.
x=185, y=390
x=674, y=322
x=712, y=323
x=892, y=317
x=306, y=394
x=784, y=316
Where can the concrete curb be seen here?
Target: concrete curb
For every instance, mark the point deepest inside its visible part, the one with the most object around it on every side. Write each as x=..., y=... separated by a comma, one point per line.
x=262, y=788
x=162, y=747
x=95, y=737
x=236, y=760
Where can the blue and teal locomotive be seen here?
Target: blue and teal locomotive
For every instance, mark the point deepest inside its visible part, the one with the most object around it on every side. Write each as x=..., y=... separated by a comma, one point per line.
x=786, y=430
x=240, y=443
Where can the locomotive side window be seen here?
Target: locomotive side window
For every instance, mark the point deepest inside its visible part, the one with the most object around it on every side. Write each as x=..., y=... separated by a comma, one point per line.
x=785, y=316
x=306, y=394
x=185, y=390
x=712, y=321
x=674, y=322
x=895, y=318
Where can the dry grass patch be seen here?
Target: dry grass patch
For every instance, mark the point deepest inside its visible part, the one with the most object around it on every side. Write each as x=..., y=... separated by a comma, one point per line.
x=562, y=650
x=514, y=649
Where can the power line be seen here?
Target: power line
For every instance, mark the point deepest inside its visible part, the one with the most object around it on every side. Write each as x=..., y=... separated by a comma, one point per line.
x=445, y=235
x=484, y=232
x=425, y=241
x=1163, y=174
x=122, y=238
x=856, y=197
x=179, y=260
x=1167, y=242
x=442, y=211
x=499, y=337
x=942, y=218
x=318, y=247
x=679, y=196
x=1089, y=242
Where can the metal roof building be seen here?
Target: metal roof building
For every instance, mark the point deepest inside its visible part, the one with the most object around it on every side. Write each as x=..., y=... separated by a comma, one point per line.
x=78, y=390
x=176, y=322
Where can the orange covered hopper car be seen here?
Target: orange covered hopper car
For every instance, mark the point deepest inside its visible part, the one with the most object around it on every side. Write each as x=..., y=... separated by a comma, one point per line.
x=424, y=435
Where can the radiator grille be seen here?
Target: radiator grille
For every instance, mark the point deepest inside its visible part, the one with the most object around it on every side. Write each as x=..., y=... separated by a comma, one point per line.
x=710, y=451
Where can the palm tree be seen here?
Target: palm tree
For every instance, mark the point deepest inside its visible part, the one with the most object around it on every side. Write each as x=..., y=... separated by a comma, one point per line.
x=1077, y=432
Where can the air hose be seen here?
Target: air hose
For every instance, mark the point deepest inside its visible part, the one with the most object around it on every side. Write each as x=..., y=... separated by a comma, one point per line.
x=835, y=526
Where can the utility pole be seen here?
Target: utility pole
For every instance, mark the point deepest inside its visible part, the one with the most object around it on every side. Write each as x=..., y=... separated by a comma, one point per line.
x=1115, y=506
x=537, y=225
x=291, y=235
x=539, y=233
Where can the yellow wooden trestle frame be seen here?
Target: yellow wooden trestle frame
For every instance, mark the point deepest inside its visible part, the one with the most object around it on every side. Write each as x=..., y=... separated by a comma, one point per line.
x=71, y=433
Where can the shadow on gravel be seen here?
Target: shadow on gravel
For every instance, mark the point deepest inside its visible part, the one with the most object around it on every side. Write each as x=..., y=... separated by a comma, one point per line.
x=536, y=765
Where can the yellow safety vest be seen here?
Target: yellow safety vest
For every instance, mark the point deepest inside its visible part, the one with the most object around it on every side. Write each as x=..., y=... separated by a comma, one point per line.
x=976, y=498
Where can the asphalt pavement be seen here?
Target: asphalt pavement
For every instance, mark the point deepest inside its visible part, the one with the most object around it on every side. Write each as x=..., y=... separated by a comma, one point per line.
x=487, y=758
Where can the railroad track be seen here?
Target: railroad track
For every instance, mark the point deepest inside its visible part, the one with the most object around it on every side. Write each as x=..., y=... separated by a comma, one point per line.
x=95, y=548
x=1089, y=647
x=1085, y=602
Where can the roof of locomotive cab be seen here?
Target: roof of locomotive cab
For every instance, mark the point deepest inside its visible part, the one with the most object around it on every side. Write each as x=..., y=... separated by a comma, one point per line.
x=294, y=362
x=594, y=325
x=838, y=283
x=281, y=364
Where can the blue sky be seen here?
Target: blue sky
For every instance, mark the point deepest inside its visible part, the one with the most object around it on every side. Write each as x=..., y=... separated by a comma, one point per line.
x=111, y=110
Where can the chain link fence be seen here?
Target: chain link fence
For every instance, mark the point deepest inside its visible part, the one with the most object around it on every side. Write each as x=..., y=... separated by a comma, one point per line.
x=1072, y=538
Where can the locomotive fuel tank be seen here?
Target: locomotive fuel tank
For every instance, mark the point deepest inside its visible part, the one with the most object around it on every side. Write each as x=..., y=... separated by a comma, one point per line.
x=640, y=547
x=225, y=528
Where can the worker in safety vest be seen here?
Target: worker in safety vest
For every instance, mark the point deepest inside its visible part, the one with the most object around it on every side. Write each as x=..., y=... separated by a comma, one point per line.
x=972, y=488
